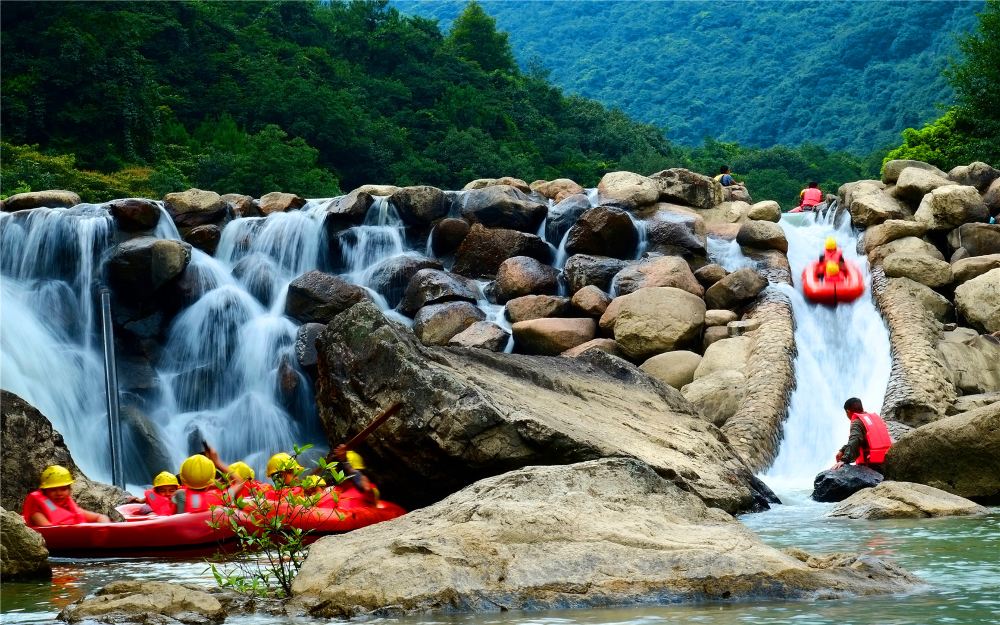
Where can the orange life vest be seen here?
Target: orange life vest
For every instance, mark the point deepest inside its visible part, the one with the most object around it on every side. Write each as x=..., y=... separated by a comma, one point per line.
x=812, y=197
x=36, y=501
x=832, y=256
x=877, y=439
x=201, y=500
x=159, y=504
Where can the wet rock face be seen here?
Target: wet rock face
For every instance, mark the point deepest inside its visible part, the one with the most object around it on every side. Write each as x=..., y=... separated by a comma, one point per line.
x=135, y=215
x=563, y=215
x=434, y=286
x=21, y=464
x=348, y=210
x=141, y=601
x=904, y=500
x=22, y=550
x=483, y=250
x=142, y=265
x=958, y=454
x=317, y=297
x=676, y=235
x=591, y=534
x=390, y=277
x=503, y=206
x=472, y=413
x=206, y=238
x=195, y=207
x=604, y=231
x=583, y=269
x=40, y=199
x=839, y=484
x=420, y=205
x=448, y=234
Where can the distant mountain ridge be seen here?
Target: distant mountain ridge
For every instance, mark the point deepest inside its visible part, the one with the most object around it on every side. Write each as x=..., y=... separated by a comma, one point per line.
x=845, y=75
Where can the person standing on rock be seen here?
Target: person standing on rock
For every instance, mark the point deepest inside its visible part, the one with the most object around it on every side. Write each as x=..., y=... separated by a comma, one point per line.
x=52, y=503
x=869, y=440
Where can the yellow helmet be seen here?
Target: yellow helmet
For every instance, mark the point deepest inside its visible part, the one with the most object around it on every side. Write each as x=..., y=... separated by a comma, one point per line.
x=832, y=269
x=165, y=478
x=831, y=244
x=197, y=472
x=354, y=458
x=241, y=469
x=56, y=476
x=313, y=481
x=282, y=462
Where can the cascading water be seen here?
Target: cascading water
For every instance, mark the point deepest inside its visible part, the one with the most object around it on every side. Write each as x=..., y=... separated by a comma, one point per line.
x=842, y=352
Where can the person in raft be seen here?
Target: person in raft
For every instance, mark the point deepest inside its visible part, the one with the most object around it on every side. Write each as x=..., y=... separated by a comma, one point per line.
x=869, y=440
x=724, y=177
x=832, y=254
x=160, y=499
x=353, y=465
x=52, y=503
x=199, y=492
x=810, y=197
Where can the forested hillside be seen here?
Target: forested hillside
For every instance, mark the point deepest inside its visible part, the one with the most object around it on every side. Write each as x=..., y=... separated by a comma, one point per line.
x=845, y=75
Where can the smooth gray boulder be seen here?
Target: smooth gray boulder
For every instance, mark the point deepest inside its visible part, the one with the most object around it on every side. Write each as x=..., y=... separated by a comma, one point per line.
x=904, y=500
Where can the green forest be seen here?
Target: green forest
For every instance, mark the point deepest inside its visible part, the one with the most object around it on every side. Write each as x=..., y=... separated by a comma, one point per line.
x=116, y=99
x=846, y=75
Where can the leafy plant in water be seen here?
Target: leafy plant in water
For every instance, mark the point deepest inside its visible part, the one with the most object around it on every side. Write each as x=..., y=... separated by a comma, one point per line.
x=270, y=549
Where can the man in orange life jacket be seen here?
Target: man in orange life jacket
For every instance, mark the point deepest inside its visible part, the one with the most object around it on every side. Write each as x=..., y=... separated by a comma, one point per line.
x=810, y=197
x=52, y=503
x=869, y=440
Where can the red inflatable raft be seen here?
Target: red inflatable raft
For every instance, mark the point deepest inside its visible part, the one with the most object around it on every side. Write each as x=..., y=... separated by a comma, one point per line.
x=179, y=534
x=831, y=292
x=352, y=512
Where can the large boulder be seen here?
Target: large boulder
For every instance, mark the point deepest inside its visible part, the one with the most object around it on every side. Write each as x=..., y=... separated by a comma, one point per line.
x=483, y=250
x=731, y=354
x=593, y=534
x=674, y=368
x=447, y=235
x=140, y=266
x=891, y=230
x=434, y=286
x=195, y=207
x=523, y=275
x=390, y=277
x=55, y=198
x=134, y=214
x=481, y=335
x=241, y=205
x=978, y=301
x=482, y=183
x=583, y=270
x=768, y=210
x=563, y=215
x=628, y=190
x=912, y=245
x=764, y=235
x=22, y=550
x=914, y=183
x=735, y=289
x=968, y=268
x=347, y=210
x=918, y=267
x=949, y=207
x=604, y=231
x=657, y=271
x=892, y=169
x=558, y=189
x=468, y=414
x=676, y=233
x=976, y=239
x=904, y=500
x=591, y=301
x=717, y=395
x=317, y=297
x=710, y=274
x=21, y=463
x=978, y=175
x=992, y=198
x=959, y=454
x=553, y=336
x=537, y=307
x=141, y=601
x=870, y=204
x=438, y=323
x=687, y=187
x=278, y=202
x=205, y=238
x=973, y=360
x=838, y=484
x=657, y=319
x=503, y=206
x=420, y=205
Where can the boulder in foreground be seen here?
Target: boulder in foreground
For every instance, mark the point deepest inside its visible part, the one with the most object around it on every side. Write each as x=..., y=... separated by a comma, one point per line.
x=600, y=533
x=904, y=500
x=469, y=414
x=142, y=601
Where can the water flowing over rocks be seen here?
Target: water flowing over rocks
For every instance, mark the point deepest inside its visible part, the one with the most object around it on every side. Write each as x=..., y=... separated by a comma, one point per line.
x=30, y=444
x=592, y=534
x=54, y=198
x=142, y=265
x=904, y=500
x=143, y=601
x=563, y=215
x=206, y=238
x=468, y=414
x=348, y=210
x=22, y=550
x=448, y=234
x=959, y=454
x=839, y=484
x=317, y=297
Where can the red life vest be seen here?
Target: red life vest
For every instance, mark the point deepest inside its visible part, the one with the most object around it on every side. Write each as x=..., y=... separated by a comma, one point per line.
x=812, y=197
x=877, y=439
x=36, y=501
x=833, y=256
x=201, y=500
x=159, y=504
x=280, y=494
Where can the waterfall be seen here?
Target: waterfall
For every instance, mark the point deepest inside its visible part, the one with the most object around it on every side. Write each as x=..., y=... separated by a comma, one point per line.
x=727, y=254
x=842, y=352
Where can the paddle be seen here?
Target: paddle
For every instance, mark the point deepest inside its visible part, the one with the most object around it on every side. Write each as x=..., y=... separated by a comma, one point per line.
x=371, y=427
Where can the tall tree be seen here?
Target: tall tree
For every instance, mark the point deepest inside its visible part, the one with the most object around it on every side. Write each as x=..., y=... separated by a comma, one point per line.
x=474, y=37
